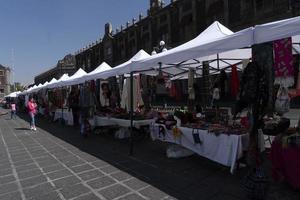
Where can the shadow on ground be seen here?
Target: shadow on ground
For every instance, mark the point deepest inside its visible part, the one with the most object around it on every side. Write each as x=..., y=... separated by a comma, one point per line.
x=22, y=129
x=187, y=178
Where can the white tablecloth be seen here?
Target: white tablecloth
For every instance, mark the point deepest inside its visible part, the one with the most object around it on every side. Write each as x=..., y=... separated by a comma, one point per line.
x=224, y=149
x=66, y=115
x=106, y=121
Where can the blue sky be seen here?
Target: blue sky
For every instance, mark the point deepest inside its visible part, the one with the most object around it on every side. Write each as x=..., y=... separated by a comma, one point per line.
x=40, y=32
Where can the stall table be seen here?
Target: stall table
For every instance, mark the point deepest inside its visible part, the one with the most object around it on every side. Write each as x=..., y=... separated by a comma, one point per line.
x=224, y=149
x=111, y=121
x=65, y=114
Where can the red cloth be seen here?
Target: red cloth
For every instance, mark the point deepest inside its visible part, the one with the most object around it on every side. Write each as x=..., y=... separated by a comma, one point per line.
x=283, y=58
x=173, y=90
x=235, y=83
x=285, y=163
x=294, y=93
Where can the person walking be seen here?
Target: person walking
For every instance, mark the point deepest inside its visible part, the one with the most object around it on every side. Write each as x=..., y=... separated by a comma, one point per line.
x=13, y=110
x=31, y=105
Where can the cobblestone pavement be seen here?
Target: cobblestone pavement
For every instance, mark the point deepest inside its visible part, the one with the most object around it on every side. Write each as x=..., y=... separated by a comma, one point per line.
x=55, y=162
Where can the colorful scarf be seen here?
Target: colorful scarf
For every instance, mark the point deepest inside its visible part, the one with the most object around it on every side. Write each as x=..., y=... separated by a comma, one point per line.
x=283, y=62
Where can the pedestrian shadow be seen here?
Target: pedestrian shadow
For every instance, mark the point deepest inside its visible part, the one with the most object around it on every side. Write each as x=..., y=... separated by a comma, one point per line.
x=22, y=129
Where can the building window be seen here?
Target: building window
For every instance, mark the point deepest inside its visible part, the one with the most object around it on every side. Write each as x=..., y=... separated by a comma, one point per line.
x=1, y=73
x=1, y=90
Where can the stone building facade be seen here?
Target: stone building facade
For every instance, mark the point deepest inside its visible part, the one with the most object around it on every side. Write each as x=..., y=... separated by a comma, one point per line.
x=178, y=22
x=4, y=81
x=67, y=65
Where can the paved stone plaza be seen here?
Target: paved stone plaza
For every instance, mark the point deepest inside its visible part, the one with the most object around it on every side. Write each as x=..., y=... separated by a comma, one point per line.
x=55, y=162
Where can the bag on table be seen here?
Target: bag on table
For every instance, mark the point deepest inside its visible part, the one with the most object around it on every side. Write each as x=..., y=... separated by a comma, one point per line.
x=282, y=103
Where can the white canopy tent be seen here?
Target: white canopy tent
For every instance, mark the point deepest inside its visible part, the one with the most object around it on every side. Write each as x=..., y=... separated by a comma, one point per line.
x=60, y=81
x=296, y=44
x=276, y=30
x=53, y=81
x=220, y=47
x=123, y=68
x=37, y=88
x=93, y=74
x=44, y=85
x=13, y=94
x=30, y=90
x=73, y=80
x=205, y=47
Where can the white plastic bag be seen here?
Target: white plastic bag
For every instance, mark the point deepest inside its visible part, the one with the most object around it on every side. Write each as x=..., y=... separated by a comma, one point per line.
x=122, y=133
x=176, y=151
x=282, y=103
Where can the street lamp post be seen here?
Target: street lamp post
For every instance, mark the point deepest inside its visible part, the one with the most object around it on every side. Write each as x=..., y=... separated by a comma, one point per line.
x=158, y=49
x=161, y=48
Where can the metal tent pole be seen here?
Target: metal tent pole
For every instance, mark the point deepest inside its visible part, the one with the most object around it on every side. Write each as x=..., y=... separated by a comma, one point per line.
x=131, y=114
x=218, y=61
x=62, y=106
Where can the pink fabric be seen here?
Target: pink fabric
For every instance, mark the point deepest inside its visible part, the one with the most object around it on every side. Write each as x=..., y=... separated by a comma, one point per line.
x=13, y=106
x=286, y=164
x=283, y=58
x=31, y=107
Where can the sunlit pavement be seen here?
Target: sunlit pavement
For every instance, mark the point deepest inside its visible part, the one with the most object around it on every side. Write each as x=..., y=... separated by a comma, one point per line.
x=55, y=162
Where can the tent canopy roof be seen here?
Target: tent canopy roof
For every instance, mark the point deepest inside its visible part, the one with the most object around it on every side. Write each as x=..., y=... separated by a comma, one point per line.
x=93, y=74
x=125, y=67
x=72, y=80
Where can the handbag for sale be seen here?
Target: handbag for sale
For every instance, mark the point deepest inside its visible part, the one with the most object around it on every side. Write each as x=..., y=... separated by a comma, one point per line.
x=196, y=136
x=282, y=103
x=161, y=132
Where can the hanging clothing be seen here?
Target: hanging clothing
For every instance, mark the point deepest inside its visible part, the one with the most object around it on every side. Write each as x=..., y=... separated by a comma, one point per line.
x=283, y=62
x=223, y=82
x=86, y=97
x=235, y=83
x=137, y=97
x=216, y=94
x=104, y=98
x=173, y=90
x=296, y=92
x=191, y=90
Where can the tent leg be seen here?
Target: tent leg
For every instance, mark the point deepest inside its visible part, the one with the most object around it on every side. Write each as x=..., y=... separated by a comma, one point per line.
x=62, y=107
x=131, y=115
